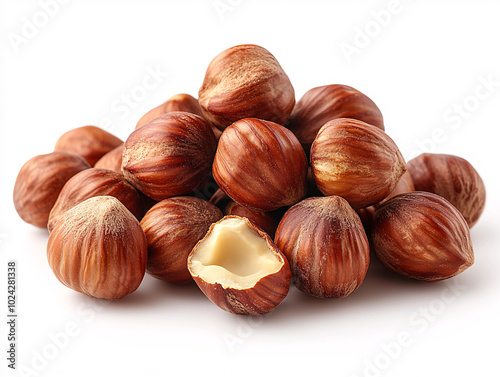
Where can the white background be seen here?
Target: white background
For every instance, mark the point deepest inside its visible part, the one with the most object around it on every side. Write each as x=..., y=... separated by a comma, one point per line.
x=421, y=65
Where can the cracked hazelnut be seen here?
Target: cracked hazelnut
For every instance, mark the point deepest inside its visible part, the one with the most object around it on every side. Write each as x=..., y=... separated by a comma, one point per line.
x=239, y=268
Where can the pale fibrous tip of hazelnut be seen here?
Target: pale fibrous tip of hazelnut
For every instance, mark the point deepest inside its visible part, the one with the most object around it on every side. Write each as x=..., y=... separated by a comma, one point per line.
x=104, y=213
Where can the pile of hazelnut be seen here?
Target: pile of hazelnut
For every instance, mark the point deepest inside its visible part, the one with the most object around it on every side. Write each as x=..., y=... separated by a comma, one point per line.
x=305, y=191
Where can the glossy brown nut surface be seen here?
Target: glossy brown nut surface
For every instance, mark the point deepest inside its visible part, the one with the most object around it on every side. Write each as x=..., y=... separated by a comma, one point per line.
x=356, y=161
x=326, y=246
x=453, y=178
x=245, y=81
x=95, y=182
x=111, y=160
x=170, y=156
x=39, y=183
x=260, y=165
x=173, y=227
x=99, y=249
x=422, y=236
x=322, y=104
x=89, y=142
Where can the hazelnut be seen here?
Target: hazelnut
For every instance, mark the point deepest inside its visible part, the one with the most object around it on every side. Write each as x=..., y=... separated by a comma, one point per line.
x=170, y=156
x=89, y=142
x=98, y=248
x=326, y=246
x=95, y=182
x=239, y=268
x=422, y=236
x=39, y=182
x=111, y=160
x=322, y=104
x=173, y=227
x=267, y=221
x=453, y=178
x=245, y=81
x=356, y=161
x=260, y=165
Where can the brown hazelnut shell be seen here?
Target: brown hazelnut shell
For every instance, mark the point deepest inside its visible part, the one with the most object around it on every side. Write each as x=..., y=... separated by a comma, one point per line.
x=245, y=81
x=170, y=156
x=99, y=249
x=326, y=246
x=422, y=236
x=173, y=227
x=453, y=178
x=356, y=161
x=260, y=165
x=39, y=183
